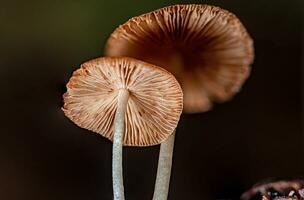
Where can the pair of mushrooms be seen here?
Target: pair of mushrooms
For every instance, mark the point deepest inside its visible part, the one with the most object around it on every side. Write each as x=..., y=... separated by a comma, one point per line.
x=136, y=103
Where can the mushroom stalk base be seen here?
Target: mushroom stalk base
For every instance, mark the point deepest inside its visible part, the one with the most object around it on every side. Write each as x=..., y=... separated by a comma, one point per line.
x=119, y=129
x=164, y=169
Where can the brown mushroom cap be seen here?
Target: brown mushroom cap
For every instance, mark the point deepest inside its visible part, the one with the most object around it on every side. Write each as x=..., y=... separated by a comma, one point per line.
x=154, y=106
x=205, y=47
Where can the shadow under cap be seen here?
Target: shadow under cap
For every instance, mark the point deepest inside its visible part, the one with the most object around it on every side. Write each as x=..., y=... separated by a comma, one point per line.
x=154, y=106
x=205, y=47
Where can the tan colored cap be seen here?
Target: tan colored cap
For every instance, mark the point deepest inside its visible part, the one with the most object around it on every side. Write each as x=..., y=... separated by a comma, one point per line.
x=205, y=47
x=154, y=106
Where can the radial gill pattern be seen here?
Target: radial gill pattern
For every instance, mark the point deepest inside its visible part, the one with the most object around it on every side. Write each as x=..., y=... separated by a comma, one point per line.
x=205, y=47
x=154, y=105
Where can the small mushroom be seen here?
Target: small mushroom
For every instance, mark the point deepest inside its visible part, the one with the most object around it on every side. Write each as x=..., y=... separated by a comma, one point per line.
x=130, y=102
x=205, y=47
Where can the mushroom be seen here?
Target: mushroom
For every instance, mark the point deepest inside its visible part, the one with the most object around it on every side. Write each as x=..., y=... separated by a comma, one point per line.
x=205, y=47
x=128, y=101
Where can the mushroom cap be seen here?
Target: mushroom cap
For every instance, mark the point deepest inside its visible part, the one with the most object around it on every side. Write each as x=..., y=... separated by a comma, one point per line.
x=207, y=49
x=154, y=106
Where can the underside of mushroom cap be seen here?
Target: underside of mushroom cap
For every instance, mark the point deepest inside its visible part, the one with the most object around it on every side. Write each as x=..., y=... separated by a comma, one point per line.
x=154, y=106
x=205, y=47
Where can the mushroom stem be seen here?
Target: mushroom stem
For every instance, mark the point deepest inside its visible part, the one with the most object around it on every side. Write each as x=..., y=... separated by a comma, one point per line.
x=164, y=169
x=119, y=129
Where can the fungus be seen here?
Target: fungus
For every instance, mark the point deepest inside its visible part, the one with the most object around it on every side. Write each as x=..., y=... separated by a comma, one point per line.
x=130, y=102
x=205, y=47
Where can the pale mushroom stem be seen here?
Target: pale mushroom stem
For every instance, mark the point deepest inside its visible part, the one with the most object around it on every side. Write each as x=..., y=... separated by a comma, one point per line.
x=164, y=169
x=162, y=181
x=119, y=129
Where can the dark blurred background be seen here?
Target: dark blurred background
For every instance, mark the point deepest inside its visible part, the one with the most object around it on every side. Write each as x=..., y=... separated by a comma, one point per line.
x=219, y=154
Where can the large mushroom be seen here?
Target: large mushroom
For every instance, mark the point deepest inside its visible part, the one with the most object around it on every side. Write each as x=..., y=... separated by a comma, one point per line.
x=130, y=102
x=205, y=47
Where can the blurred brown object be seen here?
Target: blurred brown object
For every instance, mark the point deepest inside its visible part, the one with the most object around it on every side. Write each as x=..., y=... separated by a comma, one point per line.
x=280, y=190
x=206, y=48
